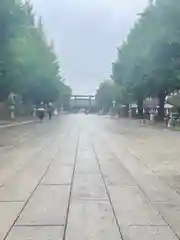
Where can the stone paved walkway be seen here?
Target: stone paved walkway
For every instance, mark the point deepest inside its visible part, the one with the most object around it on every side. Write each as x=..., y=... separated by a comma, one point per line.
x=89, y=178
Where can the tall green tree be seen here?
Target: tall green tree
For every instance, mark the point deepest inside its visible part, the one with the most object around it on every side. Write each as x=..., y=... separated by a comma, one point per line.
x=39, y=68
x=10, y=19
x=28, y=63
x=105, y=95
x=148, y=62
x=64, y=96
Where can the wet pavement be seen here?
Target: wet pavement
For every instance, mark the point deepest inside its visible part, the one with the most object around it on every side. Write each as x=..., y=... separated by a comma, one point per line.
x=89, y=177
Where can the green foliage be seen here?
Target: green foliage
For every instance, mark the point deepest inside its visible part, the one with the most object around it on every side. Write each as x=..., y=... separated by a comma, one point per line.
x=148, y=62
x=64, y=96
x=108, y=92
x=105, y=95
x=28, y=64
x=9, y=21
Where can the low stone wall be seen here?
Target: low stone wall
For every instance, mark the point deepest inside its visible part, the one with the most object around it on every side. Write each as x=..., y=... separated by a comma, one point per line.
x=4, y=111
x=20, y=110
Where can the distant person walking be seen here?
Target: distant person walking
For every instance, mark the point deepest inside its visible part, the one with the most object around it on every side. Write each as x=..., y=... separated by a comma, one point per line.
x=50, y=110
x=41, y=111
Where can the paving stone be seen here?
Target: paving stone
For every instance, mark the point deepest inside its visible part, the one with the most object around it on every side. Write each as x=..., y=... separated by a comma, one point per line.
x=17, y=191
x=86, y=161
x=119, y=144
x=114, y=172
x=158, y=191
x=88, y=186
x=36, y=233
x=67, y=157
x=171, y=214
x=132, y=208
x=92, y=221
x=87, y=166
x=48, y=206
x=149, y=233
x=172, y=179
x=9, y=211
x=115, y=175
x=22, y=185
x=58, y=174
x=67, y=151
x=17, y=158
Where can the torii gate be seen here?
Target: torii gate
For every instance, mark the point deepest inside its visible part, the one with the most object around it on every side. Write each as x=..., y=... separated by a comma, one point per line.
x=82, y=101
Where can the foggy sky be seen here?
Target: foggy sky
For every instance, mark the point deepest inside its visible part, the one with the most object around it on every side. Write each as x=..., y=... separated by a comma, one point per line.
x=86, y=34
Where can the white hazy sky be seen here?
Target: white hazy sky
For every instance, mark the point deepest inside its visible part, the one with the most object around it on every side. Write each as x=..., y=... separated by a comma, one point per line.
x=86, y=34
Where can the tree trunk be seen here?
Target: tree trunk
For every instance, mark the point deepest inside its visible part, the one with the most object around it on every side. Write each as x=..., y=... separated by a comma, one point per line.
x=140, y=107
x=161, y=110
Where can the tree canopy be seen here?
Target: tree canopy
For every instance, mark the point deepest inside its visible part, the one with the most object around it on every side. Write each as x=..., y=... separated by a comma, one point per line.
x=148, y=61
x=108, y=92
x=105, y=95
x=28, y=63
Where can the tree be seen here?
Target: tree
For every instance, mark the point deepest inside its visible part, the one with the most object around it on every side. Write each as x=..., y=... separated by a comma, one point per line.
x=28, y=63
x=9, y=23
x=39, y=68
x=105, y=95
x=164, y=57
x=64, y=96
x=148, y=61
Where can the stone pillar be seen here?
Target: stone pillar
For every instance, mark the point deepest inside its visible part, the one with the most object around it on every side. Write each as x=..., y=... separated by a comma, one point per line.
x=75, y=101
x=89, y=102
